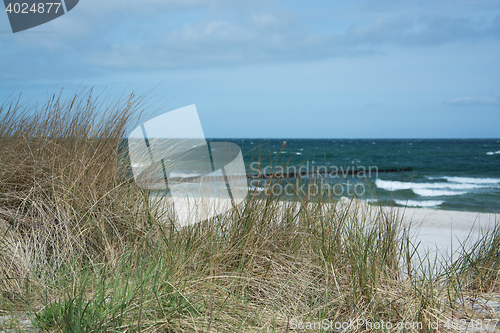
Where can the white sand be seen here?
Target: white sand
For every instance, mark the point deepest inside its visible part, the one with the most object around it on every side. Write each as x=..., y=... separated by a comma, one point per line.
x=188, y=210
x=443, y=230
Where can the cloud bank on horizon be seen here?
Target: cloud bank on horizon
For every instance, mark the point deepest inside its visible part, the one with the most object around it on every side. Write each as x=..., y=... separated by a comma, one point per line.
x=411, y=61
x=486, y=100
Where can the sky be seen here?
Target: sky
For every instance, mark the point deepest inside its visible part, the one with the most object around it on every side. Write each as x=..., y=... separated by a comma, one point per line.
x=277, y=68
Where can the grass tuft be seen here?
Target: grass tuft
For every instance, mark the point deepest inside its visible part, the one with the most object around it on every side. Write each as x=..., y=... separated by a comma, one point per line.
x=82, y=249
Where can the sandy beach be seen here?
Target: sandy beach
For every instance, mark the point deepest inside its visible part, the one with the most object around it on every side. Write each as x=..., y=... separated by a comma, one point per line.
x=443, y=230
x=436, y=231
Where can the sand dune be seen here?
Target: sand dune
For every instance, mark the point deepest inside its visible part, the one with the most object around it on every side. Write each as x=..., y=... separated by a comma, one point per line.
x=436, y=231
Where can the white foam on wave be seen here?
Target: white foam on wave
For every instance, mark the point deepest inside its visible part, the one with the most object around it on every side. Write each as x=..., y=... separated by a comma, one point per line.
x=415, y=203
x=470, y=180
x=392, y=185
x=427, y=189
x=493, y=152
x=452, y=186
x=257, y=189
x=436, y=193
x=184, y=174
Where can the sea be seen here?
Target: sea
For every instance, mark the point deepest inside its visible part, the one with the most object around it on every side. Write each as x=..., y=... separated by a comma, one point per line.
x=448, y=174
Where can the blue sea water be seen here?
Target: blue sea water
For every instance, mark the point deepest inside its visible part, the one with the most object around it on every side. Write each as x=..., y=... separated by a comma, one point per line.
x=453, y=174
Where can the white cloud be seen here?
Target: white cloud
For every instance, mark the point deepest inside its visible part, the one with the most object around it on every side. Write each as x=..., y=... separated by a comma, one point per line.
x=166, y=34
x=100, y=7
x=486, y=100
x=416, y=31
x=217, y=31
x=264, y=20
x=269, y=37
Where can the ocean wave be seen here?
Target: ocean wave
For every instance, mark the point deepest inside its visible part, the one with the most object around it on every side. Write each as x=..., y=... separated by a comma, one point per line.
x=493, y=152
x=470, y=180
x=415, y=203
x=391, y=185
x=257, y=189
x=177, y=174
x=425, y=192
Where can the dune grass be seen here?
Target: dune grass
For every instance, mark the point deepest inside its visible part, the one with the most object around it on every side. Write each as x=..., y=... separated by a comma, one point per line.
x=83, y=250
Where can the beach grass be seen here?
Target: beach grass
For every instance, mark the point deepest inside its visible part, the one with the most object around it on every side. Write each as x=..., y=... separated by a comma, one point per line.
x=82, y=249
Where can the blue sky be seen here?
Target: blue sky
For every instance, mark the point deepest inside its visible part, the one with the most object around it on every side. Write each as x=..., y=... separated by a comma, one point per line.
x=278, y=69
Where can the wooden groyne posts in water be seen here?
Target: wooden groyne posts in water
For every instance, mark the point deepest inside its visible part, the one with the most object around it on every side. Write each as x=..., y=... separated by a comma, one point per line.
x=288, y=175
x=359, y=172
x=409, y=169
